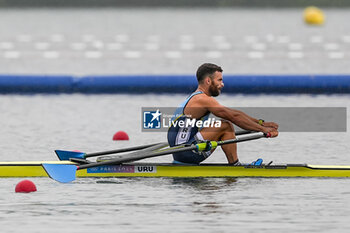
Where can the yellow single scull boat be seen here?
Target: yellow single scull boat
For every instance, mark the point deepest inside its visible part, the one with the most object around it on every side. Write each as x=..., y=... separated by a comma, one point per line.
x=35, y=169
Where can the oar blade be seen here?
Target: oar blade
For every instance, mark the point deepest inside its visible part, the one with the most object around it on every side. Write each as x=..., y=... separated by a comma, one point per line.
x=63, y=173
x=66, y=155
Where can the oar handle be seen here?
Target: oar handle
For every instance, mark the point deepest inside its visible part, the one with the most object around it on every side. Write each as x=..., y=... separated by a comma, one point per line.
x=242, y=132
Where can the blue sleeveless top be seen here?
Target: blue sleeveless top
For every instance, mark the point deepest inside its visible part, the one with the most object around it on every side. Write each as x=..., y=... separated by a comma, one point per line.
x=180, y=134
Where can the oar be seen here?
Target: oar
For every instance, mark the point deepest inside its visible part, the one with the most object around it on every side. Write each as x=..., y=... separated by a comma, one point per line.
x=144, y=151
x=67, y=172
x=67, y=155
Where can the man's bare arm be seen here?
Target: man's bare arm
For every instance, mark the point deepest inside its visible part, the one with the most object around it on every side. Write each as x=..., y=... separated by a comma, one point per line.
x=266, y=124
x=237, y=117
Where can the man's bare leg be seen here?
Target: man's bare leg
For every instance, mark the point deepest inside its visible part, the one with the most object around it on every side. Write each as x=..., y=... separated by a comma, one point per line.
x=225, y=132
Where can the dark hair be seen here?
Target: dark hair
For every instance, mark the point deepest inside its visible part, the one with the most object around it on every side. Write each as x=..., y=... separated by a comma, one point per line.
x=206, y=69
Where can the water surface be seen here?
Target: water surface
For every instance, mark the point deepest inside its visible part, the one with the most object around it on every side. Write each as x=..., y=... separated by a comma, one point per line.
x=33, y=126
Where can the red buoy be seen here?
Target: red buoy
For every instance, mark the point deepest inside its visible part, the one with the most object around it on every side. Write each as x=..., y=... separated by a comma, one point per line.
x=120, y=135
x=25, y=186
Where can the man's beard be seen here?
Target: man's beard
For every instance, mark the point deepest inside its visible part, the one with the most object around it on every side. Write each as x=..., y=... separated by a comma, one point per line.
x=214, y=91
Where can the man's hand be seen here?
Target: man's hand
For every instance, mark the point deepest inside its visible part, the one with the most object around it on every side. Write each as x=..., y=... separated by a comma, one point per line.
x=274, y=133
x=271, y=125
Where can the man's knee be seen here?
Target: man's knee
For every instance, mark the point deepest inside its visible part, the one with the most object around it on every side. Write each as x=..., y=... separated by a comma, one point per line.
x=227, y=126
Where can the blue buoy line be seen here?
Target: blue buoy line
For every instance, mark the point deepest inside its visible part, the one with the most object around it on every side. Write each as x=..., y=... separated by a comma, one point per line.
x=140, y=84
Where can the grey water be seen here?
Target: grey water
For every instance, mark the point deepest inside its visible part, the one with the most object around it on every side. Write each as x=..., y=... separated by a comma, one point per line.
x=35, y=125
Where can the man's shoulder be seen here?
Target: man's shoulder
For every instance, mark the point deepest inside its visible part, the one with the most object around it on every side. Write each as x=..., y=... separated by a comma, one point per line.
x=201, y=96
x=203, y=99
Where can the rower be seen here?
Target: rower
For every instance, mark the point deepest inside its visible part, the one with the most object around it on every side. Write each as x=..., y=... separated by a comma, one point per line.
x=197, y=107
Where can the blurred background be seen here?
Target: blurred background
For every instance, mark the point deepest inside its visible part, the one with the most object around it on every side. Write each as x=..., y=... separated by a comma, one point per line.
x=173, y=37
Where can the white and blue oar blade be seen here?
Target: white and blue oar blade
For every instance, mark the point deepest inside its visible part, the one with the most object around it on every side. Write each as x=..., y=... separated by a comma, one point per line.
x=66, y=155
x=63, y=173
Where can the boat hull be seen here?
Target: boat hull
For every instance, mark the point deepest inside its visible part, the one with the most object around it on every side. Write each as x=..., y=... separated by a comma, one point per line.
x=34, y=169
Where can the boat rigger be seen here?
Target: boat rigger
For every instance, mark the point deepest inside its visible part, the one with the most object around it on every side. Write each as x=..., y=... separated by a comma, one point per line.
x=35, y=169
